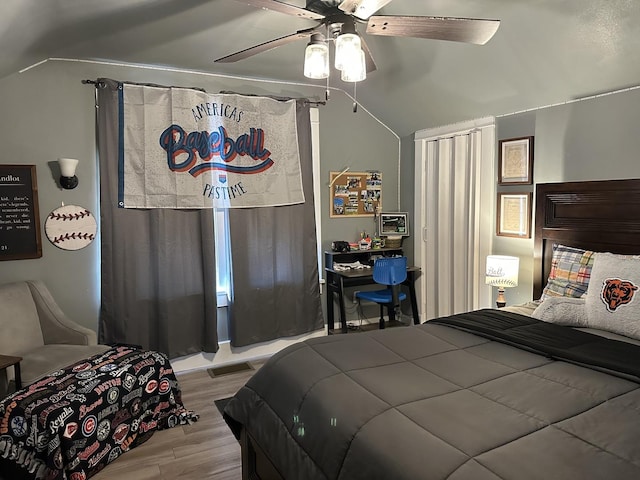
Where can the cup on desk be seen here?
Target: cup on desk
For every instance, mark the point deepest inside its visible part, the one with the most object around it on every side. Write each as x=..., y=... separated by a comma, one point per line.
x=378, y=243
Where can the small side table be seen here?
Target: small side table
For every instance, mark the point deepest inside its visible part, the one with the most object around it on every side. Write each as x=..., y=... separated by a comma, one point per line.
x=11, y=361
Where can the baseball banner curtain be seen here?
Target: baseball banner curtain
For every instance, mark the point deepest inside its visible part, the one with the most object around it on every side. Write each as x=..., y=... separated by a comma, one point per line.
x=185, y=148
x=158, y=271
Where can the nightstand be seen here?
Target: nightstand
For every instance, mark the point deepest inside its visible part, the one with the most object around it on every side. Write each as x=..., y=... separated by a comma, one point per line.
x=11, y=361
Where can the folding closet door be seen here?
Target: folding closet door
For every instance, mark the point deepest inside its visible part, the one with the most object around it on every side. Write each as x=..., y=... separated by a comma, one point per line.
x=455, y=206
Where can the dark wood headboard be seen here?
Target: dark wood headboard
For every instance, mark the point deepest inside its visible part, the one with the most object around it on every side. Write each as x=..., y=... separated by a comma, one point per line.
x=603, y=216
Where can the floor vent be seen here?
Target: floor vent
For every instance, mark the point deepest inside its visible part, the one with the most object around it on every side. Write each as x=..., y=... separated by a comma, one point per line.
x=229, y=369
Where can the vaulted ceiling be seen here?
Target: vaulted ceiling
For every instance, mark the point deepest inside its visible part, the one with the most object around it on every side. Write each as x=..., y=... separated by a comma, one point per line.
x=544, y=52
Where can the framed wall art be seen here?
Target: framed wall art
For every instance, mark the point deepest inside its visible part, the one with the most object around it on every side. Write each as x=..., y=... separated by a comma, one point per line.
x=515, y=161
x=70, y=227
x=19, y=215
x=514, y=215
x=355, y=194
x=394, y=223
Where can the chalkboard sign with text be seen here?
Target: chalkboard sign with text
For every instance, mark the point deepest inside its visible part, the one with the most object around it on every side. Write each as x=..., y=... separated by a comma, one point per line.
x=19, y=216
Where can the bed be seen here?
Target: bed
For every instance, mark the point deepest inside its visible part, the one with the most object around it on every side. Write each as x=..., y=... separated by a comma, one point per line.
x=72, y=423
x=485, y=395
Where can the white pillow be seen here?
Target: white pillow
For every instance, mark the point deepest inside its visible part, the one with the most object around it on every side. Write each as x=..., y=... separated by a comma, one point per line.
x=613, y=299
x=563, y=311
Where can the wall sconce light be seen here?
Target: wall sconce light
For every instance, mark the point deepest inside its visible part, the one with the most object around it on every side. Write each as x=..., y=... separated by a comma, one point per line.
x=68, y=179
x=501, y=272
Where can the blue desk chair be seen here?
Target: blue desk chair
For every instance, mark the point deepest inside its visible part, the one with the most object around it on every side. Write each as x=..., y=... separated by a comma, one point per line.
x=389, y=271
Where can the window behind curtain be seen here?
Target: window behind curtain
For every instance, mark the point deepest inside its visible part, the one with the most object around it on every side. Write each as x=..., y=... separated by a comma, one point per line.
x=221, y=221
x=223, y=263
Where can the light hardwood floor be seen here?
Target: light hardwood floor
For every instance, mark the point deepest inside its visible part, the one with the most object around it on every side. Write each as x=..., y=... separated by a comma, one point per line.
x=205, y=450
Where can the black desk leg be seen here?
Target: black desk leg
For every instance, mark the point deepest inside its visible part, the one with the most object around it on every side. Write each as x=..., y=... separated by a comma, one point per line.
x=335, y=285
x=343, y=314
x=330, y=290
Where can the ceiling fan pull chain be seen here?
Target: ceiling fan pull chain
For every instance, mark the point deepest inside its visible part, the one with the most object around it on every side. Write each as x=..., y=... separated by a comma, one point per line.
x=326, y=92
x=327, y=37
x=355, y=97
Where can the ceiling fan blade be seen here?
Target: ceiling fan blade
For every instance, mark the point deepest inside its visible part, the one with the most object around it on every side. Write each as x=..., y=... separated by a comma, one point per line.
x=368, y=58
x=263, y=47
x=468, y=30
x=285, y=8
x=362, y=9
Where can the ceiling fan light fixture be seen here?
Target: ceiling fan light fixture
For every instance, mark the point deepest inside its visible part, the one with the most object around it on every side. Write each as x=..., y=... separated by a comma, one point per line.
x=355, y=71
x=316, y=58
x=348, y=50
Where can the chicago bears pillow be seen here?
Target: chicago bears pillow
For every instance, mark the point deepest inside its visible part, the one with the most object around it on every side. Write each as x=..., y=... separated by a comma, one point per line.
x=613, y=296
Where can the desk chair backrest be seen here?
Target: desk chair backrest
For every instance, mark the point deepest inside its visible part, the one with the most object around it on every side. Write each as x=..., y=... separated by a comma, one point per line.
x=390, y=270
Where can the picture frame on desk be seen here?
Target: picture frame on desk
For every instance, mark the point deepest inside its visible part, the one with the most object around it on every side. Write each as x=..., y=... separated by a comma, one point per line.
x=393, y=223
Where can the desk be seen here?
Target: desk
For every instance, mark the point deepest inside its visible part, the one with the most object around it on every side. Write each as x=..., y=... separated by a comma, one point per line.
x=8, y=361
x=338, y=280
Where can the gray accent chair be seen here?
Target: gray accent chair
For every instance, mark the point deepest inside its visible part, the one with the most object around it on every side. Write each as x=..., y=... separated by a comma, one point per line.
x=34, y=327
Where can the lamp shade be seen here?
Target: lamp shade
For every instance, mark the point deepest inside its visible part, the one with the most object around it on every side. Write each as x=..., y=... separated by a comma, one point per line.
x=502, y=271
x=356, y=71
x=67, y=166
x=68, y=179
x=348, y=49
x=316, y=58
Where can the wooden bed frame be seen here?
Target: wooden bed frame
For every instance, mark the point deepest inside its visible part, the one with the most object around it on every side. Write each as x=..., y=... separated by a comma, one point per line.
x=603, y=216
x=595, y=215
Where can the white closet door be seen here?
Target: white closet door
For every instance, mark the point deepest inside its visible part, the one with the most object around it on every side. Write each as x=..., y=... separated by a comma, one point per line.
x=455, y=192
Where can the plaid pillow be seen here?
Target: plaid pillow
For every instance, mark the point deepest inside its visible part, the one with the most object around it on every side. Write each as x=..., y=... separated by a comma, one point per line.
x=570, y=272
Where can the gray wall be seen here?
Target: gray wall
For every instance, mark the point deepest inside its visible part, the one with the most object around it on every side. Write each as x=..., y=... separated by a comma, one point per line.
x=48, y=113
x=360, y=142
x=593, y=139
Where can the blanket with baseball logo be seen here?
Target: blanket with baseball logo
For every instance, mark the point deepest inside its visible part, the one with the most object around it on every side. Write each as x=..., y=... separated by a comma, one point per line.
x=74, y=422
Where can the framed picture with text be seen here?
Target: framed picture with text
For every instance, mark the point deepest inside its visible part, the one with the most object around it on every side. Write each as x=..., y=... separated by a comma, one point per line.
x=19, y=215
x=515, y=161
x=514, y=215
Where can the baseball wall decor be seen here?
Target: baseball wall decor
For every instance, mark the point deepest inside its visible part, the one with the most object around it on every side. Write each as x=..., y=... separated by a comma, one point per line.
x=70, y=227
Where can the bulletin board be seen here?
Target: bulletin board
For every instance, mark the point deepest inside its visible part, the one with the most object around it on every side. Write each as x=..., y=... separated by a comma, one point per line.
x=355, y=194
x=19, y=216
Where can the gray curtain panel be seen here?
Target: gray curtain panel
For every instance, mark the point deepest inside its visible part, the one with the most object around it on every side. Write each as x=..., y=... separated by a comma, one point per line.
x=275, y=270
x=158, y=266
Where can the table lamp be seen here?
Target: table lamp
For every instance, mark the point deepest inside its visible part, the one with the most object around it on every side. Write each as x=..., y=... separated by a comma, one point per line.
x=501, y=272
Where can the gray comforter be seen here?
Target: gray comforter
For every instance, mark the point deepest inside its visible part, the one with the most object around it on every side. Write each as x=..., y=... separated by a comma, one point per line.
x=435, y=402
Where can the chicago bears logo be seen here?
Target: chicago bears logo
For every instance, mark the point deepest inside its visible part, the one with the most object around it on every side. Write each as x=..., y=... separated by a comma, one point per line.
x=616, y=292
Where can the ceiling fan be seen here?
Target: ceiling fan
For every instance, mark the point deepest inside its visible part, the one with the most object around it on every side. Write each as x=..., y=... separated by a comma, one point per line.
x=336, y=16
